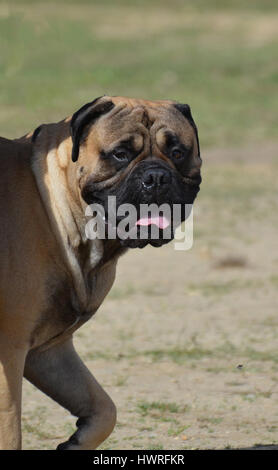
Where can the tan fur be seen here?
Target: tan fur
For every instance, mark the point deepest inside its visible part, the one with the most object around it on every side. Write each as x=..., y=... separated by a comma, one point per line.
x=45, y=255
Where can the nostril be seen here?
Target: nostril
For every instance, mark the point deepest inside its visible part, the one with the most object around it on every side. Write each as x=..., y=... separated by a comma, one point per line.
x=162, y=177
x=148, y=179
x=155, y=177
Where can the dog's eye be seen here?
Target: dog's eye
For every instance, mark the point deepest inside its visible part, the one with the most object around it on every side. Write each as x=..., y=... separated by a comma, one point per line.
x=176, y=153
x=120, y=155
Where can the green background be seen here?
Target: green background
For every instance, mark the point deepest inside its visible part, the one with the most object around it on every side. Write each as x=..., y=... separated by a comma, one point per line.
x=218, y=56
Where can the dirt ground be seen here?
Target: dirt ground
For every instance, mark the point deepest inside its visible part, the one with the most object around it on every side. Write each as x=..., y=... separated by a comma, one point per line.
x=186, y=342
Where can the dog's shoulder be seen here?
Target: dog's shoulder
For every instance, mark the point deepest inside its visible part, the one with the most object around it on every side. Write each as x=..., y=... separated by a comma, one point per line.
x=14, y=156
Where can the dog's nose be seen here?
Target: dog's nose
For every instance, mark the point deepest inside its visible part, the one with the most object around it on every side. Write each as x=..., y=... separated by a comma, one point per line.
x=155, y=177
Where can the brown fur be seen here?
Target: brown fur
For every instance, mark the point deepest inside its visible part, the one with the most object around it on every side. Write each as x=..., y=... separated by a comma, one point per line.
x=52, y=279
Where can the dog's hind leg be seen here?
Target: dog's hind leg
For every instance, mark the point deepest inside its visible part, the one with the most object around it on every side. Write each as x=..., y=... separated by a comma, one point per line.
x=60, y=373
x=12, y=357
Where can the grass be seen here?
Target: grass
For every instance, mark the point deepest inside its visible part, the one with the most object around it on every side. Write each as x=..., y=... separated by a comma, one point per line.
x=274, y=280
x=128, y=290
x=207, y=419
x=208, y=288
x=177, y=430
x=36, y=424
x=161, y=407
x=122, y=292
x=121, y=381
x=185, y=355
x=57, y=56
x=216, y=289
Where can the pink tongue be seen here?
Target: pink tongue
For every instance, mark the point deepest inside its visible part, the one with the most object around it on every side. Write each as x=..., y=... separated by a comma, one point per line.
x=159, y=221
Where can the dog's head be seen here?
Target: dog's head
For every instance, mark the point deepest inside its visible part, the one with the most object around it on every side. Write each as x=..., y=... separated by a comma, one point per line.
x=141, y=152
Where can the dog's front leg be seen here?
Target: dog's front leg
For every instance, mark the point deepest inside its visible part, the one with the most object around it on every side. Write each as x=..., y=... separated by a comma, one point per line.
x=12, y=357
x=60, y=373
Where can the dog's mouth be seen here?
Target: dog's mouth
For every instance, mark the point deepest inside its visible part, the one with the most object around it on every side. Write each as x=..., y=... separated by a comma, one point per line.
x=152, y=229
x=136, y=231
x=136, y=217
x=159, y=221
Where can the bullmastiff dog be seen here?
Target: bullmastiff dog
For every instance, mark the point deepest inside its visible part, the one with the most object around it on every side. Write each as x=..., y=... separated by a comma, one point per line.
x=53, y=278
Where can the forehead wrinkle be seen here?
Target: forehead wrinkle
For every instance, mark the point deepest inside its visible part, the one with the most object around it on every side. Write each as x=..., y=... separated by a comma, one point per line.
x=133, y=102
x=119, y=119
x=125, y=123
x=146, y=112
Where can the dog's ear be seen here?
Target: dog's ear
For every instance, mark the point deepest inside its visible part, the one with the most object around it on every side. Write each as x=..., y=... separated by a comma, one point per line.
x=88, y=114
x=36, y=133
x=185, y=110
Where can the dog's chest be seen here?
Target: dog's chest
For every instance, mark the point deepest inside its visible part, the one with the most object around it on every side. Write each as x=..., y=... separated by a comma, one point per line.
x=63, y=313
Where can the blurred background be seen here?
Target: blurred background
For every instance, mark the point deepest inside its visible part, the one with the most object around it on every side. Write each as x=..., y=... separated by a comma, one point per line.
x=186, y=342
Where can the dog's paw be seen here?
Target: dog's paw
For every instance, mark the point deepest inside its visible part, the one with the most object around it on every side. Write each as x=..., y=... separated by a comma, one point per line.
x=71, y=444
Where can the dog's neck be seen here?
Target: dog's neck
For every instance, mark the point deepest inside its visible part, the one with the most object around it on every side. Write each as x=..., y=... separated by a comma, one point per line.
x=55, y=174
